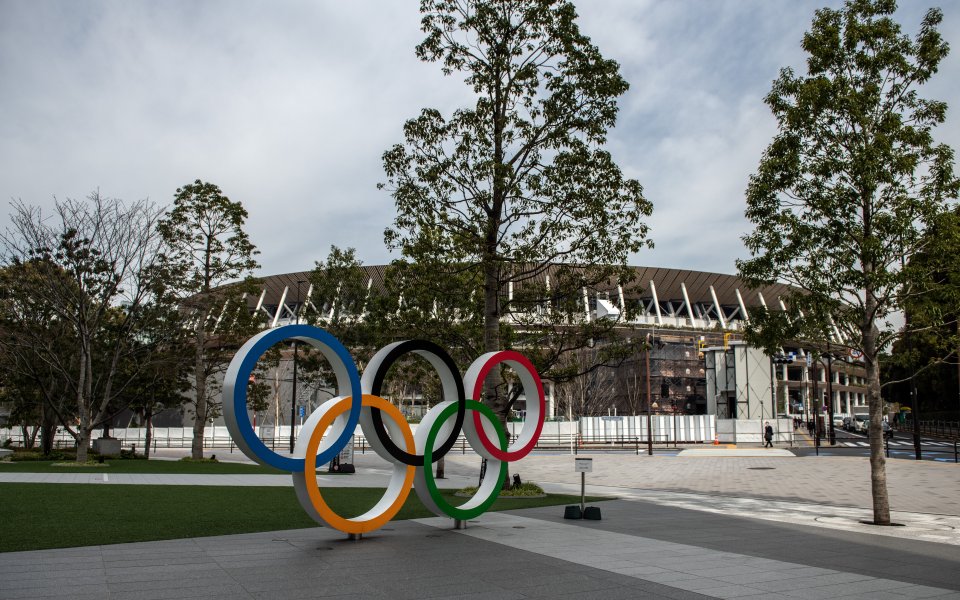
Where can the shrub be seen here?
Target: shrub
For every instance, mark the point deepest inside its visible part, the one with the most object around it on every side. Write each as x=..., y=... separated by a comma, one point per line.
x=525, y=490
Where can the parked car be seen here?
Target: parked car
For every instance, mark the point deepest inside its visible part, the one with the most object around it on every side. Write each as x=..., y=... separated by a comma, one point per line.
x=838, y=420
x=861, y=423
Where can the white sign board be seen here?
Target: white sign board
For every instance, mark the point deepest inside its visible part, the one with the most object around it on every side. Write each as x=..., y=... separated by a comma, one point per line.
x=583, y=465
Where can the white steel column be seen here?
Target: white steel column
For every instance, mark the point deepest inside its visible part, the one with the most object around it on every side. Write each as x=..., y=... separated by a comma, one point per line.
x=586, y=305
x=549, y=298
x=686, y=299
x=259, y=307
x=226, y=303
x=283, y=298
x=363, y=311
x=306, y=301
x=716, y=303
x=656, y=303
x=551, y=402
x=743, y=307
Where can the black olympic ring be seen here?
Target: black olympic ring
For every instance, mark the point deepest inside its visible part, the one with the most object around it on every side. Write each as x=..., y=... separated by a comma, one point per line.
x=452, y=383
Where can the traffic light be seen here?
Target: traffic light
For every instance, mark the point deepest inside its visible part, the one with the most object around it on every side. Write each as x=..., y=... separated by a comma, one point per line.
x=783, y=359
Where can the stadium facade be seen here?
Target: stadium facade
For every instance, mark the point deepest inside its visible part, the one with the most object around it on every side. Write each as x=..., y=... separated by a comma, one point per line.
x=698, y=363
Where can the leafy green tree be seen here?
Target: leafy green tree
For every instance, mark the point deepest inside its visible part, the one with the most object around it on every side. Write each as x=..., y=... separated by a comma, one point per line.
x=161, y=384
x=34, y=344
x=341, y=300
x=926, y=359
x=845, y=190
x=208, y=248
x=495, y=194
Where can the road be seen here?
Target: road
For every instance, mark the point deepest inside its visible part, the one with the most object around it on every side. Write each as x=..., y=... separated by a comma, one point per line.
x=857, y=444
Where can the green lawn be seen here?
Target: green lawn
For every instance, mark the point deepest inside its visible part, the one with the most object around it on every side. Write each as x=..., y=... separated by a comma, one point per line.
x=142, y=466
x=37, y=516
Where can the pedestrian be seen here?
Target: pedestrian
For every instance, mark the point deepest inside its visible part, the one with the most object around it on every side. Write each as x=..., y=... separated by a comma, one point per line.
x=768, y=435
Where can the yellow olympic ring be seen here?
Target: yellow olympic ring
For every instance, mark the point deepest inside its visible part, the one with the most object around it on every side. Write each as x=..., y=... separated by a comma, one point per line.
x=401, y=480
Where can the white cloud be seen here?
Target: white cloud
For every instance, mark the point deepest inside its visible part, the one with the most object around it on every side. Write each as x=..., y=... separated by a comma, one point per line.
x=289, y=105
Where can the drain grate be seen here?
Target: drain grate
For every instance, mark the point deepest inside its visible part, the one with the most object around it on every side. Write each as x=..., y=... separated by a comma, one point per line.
x=761, y=468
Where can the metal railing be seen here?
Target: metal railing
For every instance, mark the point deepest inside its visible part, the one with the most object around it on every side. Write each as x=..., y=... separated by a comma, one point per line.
x=575, y=443
x=943, y=429
x=925, y=450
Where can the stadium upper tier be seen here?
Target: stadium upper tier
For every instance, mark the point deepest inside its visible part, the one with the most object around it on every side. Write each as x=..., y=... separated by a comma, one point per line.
x=661, y=297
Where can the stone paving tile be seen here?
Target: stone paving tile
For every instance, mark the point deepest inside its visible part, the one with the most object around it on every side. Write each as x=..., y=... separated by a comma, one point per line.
x=549, y=558
x=56, y=591
x=706, y=569
x=731, y=591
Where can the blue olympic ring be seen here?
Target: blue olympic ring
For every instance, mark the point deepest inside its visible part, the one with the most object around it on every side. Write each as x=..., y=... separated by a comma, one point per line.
x=235, y=392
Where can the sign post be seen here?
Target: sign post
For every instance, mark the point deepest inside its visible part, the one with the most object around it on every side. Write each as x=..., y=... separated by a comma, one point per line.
x=583, y=466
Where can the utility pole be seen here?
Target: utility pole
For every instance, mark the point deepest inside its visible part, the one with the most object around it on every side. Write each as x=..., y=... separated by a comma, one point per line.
x=293, y=400
x=649, y=400
x=833, y=434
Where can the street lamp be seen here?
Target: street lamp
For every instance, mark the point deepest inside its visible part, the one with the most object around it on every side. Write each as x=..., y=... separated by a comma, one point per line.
x=649, y=401
x=293, y=400
x=833, y=433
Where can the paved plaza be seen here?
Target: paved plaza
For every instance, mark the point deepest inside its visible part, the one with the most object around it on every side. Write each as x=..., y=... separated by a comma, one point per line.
x=715, y=526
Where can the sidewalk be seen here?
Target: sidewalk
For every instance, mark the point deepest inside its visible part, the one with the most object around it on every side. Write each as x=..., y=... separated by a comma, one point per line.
x=820, y=492
x=639, y=550
x=711, y=526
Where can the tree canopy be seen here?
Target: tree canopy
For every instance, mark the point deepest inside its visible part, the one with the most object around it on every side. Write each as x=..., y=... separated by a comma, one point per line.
x=497, y=192
x=847, y=187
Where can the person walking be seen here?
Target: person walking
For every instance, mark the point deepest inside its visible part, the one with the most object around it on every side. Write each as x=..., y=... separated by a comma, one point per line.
x=768, y=435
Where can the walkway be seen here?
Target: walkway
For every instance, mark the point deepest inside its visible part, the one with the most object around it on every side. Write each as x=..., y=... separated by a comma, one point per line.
x=639, y=550
x=770, y=526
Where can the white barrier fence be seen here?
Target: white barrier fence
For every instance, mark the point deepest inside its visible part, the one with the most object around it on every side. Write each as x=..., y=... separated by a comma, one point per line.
x=683, y=429
x=671, y=429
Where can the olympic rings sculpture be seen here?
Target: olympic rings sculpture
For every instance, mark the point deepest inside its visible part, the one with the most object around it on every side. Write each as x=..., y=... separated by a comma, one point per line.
x=359, y=403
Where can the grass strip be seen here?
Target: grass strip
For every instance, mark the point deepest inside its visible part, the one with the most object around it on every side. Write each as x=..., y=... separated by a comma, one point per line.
x=39, y=515
x=176, y=467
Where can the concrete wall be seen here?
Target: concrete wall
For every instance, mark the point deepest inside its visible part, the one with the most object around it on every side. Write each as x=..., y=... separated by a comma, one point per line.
x=750, y=431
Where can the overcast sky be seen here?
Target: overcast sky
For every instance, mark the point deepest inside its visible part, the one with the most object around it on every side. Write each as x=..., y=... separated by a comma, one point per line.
x=288, y=106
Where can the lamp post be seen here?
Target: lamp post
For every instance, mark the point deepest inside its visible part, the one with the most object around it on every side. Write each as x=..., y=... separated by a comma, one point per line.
x=815, y=407
x=833, y=433
x=293, y=400
x=649, y=400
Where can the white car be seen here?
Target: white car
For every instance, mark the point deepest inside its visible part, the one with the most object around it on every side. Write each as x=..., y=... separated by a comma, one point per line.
x=861, y=423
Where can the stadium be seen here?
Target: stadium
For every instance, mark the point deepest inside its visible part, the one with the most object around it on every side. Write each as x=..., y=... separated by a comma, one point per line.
x=697, y=365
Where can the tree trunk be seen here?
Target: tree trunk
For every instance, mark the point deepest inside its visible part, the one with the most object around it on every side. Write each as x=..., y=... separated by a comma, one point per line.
x=83, y=407
x=200, y=402
x=878, y=463
x=148, y=423
x=28, y=438
x=83, y=442
x=48, y=428
x=440, y=470
x=499, y=403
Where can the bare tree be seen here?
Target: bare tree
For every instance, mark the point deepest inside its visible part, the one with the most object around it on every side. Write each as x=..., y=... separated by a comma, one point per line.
x=96, y=272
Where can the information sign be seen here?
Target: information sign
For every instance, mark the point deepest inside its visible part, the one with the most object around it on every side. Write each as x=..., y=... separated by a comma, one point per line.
x=583, y=465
